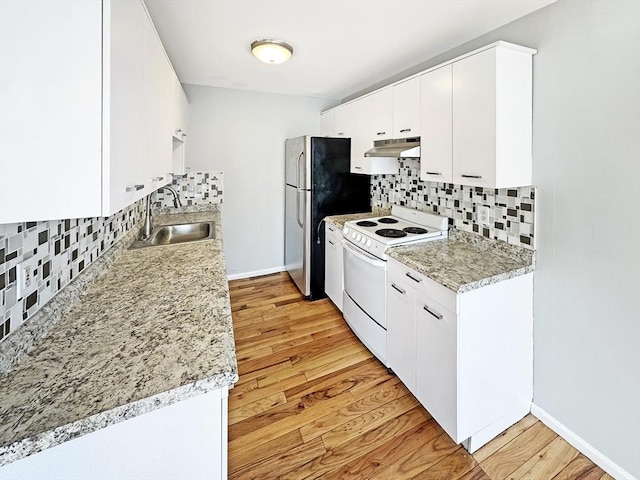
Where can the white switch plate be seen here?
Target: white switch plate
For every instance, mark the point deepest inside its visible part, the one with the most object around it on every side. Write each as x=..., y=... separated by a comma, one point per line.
x=23, y=279
x=483, y=215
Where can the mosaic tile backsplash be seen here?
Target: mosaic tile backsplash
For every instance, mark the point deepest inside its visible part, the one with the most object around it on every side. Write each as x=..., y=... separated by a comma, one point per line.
x=511, y=211
x=194, y=188
x=58, y=251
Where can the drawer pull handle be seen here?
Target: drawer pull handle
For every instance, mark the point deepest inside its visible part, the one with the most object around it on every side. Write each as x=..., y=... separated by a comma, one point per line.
x=417, y=280
x=434, y=173
x=358, y=168
x=340, y=133
x=157, y=179
x=331, y=229
x=398, y=289
x=471, y=176
x=405, y=130
x=332, y=243
x=437, y=315
x=381, y=133
x=135, y=187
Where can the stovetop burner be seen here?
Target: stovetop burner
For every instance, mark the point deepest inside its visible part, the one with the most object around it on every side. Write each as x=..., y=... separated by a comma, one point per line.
x=366, y=223
x=387, y=220
x=417, y=230
x=391, y=232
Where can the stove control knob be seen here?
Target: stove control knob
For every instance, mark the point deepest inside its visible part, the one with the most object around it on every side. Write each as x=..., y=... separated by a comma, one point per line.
x=358, y=237
x=345, y=231
x=368, y=243
x=364, y=240
x=353, y=235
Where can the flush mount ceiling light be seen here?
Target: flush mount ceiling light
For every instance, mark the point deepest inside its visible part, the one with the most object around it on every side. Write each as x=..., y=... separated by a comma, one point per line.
x=271, y=51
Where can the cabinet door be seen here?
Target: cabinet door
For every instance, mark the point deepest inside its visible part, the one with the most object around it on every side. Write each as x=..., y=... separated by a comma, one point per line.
x=381, y=115
x=401, y=330
x=436, y=125
x=406, y=109
x=436, y=335
x=124, y=126
x=359, y=132
x=474, y=119
x=327, y=123
x=50, y=110
x=158, y=119
x=333, y=279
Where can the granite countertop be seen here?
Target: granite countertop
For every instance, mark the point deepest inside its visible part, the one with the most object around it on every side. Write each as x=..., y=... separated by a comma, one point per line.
x=465, y=261
x=152, y=328
x=339, y=220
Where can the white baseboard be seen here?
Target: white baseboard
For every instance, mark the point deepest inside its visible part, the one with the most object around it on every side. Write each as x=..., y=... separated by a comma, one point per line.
x=256, y=273
x=581, y=445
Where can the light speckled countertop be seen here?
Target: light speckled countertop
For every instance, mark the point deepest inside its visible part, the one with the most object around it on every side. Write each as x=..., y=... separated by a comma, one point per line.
x=339, y=220
x=465, y=261
x=153, y=328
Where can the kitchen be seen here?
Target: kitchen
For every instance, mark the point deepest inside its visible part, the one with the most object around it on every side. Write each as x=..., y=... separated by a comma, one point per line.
x=586, y=373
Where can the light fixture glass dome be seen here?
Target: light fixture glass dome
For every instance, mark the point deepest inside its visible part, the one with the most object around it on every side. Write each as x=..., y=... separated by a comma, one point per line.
x=271, y=51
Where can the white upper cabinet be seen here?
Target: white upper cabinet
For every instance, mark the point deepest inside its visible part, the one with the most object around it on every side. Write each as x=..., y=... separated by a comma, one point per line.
x=436, y=124
x=381, y=115
x=328, y=123
x=179, y=127
x=492, y=112
x=50, y=110
x=406, y=109
x=86, y=122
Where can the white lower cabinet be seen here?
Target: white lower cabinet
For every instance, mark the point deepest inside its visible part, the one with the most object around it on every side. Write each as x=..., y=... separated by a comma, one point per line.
x=183, y=441
x=401, y=339
x=467, y=357
x=333, y=278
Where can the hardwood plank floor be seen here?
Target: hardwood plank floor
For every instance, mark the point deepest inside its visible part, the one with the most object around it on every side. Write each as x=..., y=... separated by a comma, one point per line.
x=312, y=402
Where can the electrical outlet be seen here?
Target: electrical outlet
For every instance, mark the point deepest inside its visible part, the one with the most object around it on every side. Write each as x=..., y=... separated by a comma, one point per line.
x=23, y=279
x=483, y=215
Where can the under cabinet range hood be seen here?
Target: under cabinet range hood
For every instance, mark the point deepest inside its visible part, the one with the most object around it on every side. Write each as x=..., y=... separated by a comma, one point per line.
x=400, y=148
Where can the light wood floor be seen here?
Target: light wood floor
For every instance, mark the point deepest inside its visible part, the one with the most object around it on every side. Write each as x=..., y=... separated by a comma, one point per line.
x=312, y=402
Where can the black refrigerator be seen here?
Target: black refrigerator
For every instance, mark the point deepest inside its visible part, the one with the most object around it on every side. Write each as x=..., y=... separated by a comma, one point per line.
x=318, y=183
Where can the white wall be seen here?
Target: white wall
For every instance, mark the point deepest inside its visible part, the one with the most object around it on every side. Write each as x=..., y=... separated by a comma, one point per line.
x=243, y=133
x=586, y=164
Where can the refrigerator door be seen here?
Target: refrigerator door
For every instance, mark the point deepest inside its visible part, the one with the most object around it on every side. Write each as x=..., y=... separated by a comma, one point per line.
x=297, y=167
x=298, y=236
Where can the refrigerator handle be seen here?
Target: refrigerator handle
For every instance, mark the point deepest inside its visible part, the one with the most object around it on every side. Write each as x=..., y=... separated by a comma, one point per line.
x=298, y=192
x=299, y=184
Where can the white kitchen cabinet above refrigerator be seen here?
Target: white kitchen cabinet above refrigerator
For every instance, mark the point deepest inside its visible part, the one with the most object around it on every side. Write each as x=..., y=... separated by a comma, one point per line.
x=85, y=119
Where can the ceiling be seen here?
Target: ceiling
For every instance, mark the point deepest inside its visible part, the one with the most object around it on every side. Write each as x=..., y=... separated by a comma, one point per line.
x=340, y=46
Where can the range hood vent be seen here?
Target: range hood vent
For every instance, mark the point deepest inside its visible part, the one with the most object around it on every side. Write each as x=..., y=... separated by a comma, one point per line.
x=400, y=148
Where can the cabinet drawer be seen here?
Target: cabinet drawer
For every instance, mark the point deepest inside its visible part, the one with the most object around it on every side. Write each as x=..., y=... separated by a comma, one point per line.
x=423, y=284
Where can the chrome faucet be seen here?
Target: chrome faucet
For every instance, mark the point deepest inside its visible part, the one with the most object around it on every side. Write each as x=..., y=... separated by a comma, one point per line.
x=148, y=224
x=176, y=199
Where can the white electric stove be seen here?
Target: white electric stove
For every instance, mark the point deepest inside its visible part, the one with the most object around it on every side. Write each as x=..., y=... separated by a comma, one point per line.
x=404, y=226
x=365, y=267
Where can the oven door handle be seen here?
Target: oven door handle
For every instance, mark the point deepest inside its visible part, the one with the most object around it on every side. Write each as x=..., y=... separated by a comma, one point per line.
x=364, y=256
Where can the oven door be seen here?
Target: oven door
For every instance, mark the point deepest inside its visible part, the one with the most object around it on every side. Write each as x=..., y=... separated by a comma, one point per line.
x=365, y=278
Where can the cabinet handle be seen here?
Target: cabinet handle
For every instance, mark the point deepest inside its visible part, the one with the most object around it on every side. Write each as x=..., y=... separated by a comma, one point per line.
x=331, y=242
x=331, y=229
x=381, y=133
x=340, y=133
x=471, y=176
x=178, y=130
x=157, y=179
x=437, y=315
x=417, y=280
x=134, y=188
x=405, y=130
x=434, y=173
x=184, y=134
x=358, y=168
x=398, y=289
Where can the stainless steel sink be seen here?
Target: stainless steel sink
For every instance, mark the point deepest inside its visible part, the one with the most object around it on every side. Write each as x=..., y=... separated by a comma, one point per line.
x=175, y=234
